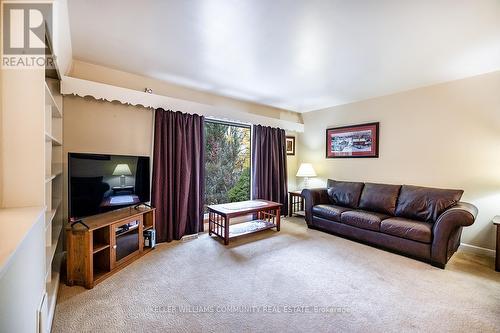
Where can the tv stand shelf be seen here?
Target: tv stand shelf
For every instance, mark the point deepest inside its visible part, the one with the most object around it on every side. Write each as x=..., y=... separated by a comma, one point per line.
x=100, y=247
x=111, y=241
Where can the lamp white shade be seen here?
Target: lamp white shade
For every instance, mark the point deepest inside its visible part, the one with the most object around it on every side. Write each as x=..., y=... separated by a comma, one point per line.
x=122, y=170
x=306, y=170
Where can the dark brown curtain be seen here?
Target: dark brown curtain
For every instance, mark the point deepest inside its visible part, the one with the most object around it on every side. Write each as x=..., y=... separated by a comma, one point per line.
x=269, y=176
x=178, y=174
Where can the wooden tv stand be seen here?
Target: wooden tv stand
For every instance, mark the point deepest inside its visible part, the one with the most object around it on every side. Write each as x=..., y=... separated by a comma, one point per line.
x=112, y=241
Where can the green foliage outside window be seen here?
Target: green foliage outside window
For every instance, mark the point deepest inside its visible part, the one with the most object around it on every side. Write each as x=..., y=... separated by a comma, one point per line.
x=241, y=190
x=227, y=163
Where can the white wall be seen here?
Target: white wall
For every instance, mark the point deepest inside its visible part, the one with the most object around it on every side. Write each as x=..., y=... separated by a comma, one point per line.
x=102, y=127
x=447, y=135
x=62, y=36
x=22, y=141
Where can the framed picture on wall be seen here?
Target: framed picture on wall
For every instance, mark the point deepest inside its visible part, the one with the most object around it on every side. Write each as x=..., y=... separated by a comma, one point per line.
x=290, y=145
x=352, y=141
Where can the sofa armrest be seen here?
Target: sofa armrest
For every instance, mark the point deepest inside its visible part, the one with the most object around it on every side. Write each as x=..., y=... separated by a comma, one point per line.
x=312, y=197
x=447, y=225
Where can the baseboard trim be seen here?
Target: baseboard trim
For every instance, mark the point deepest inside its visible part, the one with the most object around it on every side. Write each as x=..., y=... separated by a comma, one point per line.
x=477, y=250
x=186, y=238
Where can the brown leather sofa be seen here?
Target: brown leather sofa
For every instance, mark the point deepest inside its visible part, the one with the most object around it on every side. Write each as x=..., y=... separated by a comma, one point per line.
x=420, y=222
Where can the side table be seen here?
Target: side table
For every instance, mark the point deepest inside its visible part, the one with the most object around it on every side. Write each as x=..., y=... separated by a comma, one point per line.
x=295, y=203
x=496, y=221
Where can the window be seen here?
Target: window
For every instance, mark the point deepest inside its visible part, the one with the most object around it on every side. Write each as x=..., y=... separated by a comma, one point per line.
x=227, y=162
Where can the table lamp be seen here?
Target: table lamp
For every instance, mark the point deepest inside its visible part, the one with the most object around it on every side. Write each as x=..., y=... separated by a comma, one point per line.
x=122, y=170
x=306, y=170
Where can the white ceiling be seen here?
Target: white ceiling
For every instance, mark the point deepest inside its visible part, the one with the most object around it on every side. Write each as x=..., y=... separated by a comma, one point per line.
x=297, y=55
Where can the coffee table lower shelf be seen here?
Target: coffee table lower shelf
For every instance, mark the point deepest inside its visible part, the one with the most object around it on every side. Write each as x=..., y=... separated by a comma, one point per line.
x=245, y=228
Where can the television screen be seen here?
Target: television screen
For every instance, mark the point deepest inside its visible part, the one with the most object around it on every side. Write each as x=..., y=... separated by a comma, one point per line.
x=101, y=183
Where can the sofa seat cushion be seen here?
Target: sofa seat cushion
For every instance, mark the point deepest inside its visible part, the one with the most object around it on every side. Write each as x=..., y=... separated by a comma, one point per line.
x=330, y=212
x=406, y=228
x=363, y=219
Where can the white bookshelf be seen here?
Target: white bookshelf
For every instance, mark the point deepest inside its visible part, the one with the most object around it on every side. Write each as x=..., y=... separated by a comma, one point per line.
x=31, y=110
x=53, y=191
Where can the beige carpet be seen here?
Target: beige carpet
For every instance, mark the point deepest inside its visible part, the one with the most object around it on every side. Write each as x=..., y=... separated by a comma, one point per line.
x=280, y=282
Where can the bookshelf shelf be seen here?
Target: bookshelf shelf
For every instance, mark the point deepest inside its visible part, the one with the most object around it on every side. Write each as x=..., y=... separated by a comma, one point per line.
x=50, y=138
x=50, y=101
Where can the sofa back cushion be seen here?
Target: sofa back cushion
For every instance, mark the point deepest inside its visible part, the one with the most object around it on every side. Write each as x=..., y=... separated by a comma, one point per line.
x=380, y=198
x=344, y=193
x=425, y=203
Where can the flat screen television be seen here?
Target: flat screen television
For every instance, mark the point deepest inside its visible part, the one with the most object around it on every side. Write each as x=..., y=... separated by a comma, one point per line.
x=101, y=183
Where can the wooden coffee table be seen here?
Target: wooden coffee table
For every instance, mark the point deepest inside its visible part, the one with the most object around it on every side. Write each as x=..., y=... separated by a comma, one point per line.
x=267, y=214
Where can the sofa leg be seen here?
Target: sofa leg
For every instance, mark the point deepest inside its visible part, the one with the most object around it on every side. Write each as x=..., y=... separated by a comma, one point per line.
x=438, y=265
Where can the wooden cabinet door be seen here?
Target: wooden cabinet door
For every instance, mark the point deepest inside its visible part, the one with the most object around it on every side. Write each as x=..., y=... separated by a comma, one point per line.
x=127, y=240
